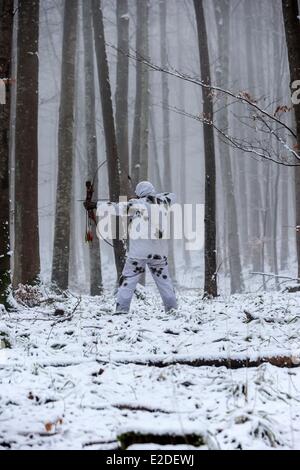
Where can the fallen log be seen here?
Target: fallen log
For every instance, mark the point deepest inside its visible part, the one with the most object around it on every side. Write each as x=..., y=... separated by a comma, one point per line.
x=130, y=438
x=249, y=317
x=234, y=362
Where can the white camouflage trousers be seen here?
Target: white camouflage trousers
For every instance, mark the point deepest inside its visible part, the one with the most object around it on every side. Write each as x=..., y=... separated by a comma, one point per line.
x=132, y=272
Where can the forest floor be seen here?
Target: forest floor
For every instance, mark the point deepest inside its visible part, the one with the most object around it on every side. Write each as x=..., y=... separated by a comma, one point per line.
x=72, y=376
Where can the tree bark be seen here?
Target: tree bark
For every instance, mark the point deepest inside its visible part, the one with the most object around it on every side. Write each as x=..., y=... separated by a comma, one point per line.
x=222, y=12
x=114, y=168
x=122, y=14
x=291, y=14
x=156, y=168
x=167, y=175
x=96, y=286
x=6, y=32
x=139, y=151
x=254, y=54
x=284, y=219
x=26, y=250
x=210, y=256
x=182, y=127
x=61, y=253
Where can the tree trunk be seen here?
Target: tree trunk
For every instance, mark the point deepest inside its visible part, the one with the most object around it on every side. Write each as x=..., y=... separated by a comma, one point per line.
x=254, y=54
x=156, y=169
x=167, y=175
x=223, y=24
x=108, y=124
x=182, y=128
x=275, y=225
x=6, y=31
x=61, y=253
x=122, y=92
x=291, y=14
x=139, y=151
x=91, y=138
x=210, y=256
x=284, y=219
x=26, y=250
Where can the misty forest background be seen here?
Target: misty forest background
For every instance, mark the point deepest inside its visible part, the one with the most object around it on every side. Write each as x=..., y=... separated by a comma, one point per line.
x=193, y=95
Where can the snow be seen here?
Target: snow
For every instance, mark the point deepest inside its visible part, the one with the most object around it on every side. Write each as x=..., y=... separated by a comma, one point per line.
x=71, y=382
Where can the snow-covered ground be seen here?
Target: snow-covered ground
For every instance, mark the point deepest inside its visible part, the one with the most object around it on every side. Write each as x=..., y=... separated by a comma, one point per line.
x=71, y=380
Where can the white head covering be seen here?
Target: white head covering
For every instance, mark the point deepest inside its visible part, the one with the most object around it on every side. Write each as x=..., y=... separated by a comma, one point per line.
x=145, y=188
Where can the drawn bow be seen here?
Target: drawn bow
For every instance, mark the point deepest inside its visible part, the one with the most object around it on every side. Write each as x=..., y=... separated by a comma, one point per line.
x=90, y=213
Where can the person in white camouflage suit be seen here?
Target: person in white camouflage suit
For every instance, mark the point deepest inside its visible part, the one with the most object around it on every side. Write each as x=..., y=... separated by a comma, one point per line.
x=151, y=251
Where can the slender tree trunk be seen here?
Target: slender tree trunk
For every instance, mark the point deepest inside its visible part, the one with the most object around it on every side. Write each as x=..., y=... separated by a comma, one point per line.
x=266, y=216
x=167, y=175
x=91, y=137
x=139, y=151
x=122, y=92
x=108, y=124
x=158, y=182
x=61, y=253
x=210, y=284
x=6, y=31
x=26, y=251
x=254, y=54
x=144, y=146
x=275, y=224
x=182, y=129
x=292, y=30
x=223, y=21
x=167, y=179
x=284, y=249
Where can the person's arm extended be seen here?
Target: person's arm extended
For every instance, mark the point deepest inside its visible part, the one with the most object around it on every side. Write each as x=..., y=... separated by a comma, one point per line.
x=169, y=198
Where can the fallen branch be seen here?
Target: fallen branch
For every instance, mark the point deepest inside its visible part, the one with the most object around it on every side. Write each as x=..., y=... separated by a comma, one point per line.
x=277, y=276
x=100, y=443
x=249, y=317
x=141, y=408
x=129, y=407
x=69, y=317
x=230, y=363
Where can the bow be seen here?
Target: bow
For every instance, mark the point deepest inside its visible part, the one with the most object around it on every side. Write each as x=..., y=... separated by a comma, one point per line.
x=90, y=214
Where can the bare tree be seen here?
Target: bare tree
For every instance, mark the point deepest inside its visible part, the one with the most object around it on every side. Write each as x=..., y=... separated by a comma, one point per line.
x=122, y=14
x=291, y=14
x=113, y=160
x=222, y=11
x=26, y=250
x=61, y=252
x=6, y=28
x=91, y=136
x=264, y=121
x=210, y=255
x=139, y=151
